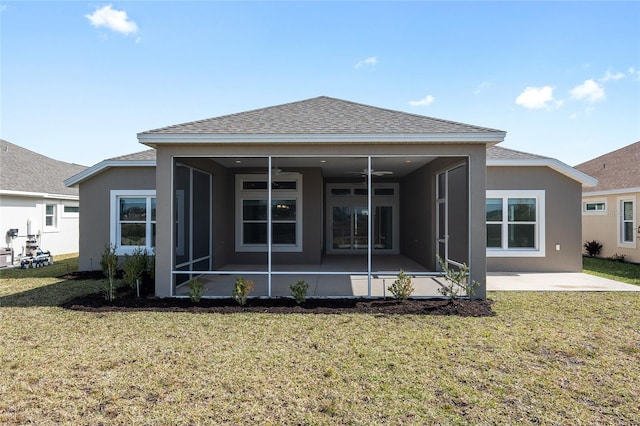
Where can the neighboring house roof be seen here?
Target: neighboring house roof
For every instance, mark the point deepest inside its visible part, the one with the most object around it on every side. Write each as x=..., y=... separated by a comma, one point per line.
x=145, y=158
x=616, y=170
x=24, y=172
x=499, y=156
x=321, y=119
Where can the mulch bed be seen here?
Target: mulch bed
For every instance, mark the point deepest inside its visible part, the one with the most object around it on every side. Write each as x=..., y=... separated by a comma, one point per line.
x=466, y=308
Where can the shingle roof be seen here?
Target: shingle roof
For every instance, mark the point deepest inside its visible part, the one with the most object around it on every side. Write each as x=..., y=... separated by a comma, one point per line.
x=149, y=154
x=500, y=153
x=321, y=115
x=28, y=171
x=617, y=169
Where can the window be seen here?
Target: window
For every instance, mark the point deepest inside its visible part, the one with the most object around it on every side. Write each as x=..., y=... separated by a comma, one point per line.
x=627, y=222
x=71, y=209
x=133, y=220
x=50, y=217
x=286, y=213
x=515, y=223
x=594, y=207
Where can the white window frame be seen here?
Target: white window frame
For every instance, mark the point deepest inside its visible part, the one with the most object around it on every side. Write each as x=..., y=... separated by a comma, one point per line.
x=594, y=201
x=262, y=194
x=539, y=250
x=70, y=214
x=54, y=216
x=115, y=196
x=621, y=221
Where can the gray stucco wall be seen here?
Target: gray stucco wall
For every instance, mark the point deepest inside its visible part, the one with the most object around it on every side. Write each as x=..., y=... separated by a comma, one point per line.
x=95, y=195
x=562, y=219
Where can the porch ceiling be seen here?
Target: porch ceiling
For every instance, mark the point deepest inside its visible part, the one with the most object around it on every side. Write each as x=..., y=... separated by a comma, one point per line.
x=335, y=167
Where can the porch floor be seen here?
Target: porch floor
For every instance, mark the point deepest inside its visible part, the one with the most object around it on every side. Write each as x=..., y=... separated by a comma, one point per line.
x=351, y=280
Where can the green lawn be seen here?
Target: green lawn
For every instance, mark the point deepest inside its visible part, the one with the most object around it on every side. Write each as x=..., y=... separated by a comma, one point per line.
x=619, y=271
x=550, y=358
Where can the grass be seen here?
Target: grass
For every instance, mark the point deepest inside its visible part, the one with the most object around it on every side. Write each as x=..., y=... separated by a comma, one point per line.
x=619, y=271
x=550, y=358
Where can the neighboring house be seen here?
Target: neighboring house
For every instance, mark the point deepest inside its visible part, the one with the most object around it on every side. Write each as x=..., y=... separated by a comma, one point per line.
x=610, y=210
x=200, y=198
x=32, y=194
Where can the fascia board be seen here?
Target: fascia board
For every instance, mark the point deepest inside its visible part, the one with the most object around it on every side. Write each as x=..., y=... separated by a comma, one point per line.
x=153, y=139
x=39, y=195
x=552, y=163
x=611, y=192
x=103, y=165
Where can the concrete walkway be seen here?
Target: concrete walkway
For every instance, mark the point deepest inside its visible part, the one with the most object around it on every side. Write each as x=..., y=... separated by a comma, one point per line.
x=565, y=281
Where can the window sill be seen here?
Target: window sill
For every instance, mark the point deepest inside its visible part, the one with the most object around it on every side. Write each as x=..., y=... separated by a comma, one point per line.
x=515, y=253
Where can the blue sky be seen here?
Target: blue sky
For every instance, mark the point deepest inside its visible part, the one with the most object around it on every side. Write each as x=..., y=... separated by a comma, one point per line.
x=80, y=79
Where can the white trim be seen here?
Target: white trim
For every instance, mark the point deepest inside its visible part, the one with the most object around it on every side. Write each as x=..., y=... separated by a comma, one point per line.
x=70, y=214
x=540, y=249
x=55, y=216
x=39, y=195
x=611, y=192
x=268, y=195
x=103, y=165
x=113, y=217
x=594, y=212
x=552, y=163
x=153, y=139
x=634, y=221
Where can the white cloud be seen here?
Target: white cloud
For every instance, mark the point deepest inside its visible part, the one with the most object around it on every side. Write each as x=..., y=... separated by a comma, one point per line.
x=537, y=98
x=371, y=61
x=115, y=20
x=610, y=76
x=482, y=86
x=589, y=90
x=427, y=100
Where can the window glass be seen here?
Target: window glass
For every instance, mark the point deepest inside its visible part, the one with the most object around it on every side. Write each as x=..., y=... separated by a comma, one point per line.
x=133, y=234
x=522, y=209
x=383, y=191
x=494, y=235
x=153, y=209
x=494, y=209
x=254, y=233
x=71, y=209
x=522, y=236
x=283, y=210
x=284, y=233
x=594, y=207
x=254, y=210
x=628, y=210
x=133, y=209
x=340, y=191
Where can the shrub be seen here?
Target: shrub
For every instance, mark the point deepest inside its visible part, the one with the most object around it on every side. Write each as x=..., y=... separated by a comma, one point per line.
x=457, y=281
x=617, y=257
x=241, y=290
x=299, y=291
x=401, y=288
x=593, y=248
x=109, y=264
x=135, y=266
x=195, y=290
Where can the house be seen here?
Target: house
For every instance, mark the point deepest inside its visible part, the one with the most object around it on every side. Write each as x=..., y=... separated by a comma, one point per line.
x=35, y=201
x=201, y=199
x=610, y=210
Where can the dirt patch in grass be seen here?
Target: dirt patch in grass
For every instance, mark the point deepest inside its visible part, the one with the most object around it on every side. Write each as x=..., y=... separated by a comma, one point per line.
x=465, y=308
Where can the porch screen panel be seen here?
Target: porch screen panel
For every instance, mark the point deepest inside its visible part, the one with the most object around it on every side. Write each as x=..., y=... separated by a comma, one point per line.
x=201, y=218
x=182, y=214
x=458, y=214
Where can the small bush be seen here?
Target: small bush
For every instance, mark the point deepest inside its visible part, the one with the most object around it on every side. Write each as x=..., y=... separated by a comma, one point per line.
x=617, y=257
x=109, y=264
x=401, y=288
x=457, y=281
x=299, y=291
x=195, y=290
x=135, y=266
x=593, y=248
x=241, y=290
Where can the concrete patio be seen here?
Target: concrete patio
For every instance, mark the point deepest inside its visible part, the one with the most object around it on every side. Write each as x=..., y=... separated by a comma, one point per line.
x=562, y=281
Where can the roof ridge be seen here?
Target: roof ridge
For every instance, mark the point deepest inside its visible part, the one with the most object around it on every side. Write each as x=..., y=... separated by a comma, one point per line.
x=610, y=153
